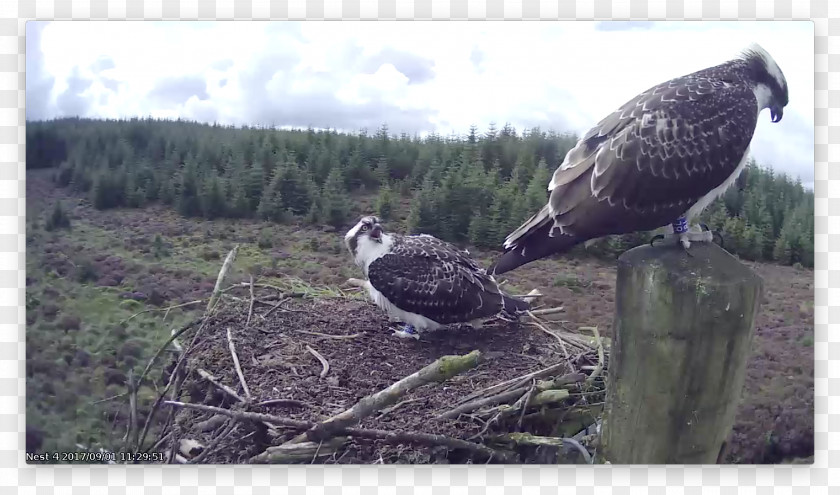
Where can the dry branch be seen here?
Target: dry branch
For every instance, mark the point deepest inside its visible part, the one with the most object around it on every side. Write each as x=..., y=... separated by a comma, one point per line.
x=439, y=371
x=548, y=311
x=236, y=365
x=387, y=436
x=517, y=382
x=217, y=291
x=487, y=401
x=221, y=386
x=537, y=441
x=328, y=336
x=251, y=306
x=600, y=366
x=325, y=365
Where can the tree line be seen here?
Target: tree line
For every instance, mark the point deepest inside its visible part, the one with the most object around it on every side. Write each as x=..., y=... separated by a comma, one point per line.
x=471, y=189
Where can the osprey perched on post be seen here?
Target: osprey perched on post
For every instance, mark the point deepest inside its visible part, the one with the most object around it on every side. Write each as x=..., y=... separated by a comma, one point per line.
x=424, y=282
x=659, y=159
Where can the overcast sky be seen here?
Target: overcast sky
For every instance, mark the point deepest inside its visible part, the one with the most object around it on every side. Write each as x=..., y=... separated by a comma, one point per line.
x=415, y=76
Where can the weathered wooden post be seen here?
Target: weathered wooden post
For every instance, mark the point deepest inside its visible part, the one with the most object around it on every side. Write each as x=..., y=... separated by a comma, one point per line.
x=681, y=339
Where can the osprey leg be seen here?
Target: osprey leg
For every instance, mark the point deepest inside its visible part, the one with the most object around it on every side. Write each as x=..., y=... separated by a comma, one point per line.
x=684, y=235
x=407, y=332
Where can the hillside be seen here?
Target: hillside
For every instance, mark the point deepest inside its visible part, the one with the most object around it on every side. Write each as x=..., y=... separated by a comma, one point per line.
x=85, y=283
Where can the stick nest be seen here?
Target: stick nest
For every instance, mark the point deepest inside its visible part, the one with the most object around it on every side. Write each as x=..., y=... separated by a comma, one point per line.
x=278, y=361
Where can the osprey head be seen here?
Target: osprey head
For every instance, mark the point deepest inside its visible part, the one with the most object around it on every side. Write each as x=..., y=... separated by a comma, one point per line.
x=368, y=231
x=770, y=85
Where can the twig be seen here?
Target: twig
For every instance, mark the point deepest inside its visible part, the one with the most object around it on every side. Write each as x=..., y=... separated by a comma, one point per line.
x=282, y=402
x=133, y=428
x=215, y=443
x=328, y=336
x=439, y=371
x=539, y=325
x=394, y=437
x=528, y=397
x=548, y=311
x=236, y=365
x=325, y=365
x=176, y=306
x=487, y=401
x=536, y=441
x=106, y=399
x=251, y=306
x=516, y=382
x=389, y=410
x=600, y=366
x=281, y=301
x=217, y=291
x=224, y=388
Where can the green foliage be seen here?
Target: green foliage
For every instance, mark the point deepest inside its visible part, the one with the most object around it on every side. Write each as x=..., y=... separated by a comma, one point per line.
x=472, y=189
x=332, y=205
x=57, y=219
x=385, y=203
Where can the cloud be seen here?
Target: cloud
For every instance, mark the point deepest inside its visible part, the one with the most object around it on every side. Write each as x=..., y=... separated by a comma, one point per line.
x=39, y=83
x=174, y=90
x=102, y=64
x=336, y=75
x=416, y=68
x=75, y=101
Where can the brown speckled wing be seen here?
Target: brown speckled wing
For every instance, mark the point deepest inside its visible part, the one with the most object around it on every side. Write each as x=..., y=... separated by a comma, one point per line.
x=430, y=277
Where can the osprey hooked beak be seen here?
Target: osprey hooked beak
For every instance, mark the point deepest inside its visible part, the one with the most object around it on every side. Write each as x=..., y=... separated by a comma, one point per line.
x=776, y=113
x=376, y=232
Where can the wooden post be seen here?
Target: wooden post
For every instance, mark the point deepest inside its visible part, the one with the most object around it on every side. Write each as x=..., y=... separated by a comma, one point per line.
x=682, y=334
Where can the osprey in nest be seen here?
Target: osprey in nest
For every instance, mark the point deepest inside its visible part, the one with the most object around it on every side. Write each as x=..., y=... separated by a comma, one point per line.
x=658, y=160
x=424, y=282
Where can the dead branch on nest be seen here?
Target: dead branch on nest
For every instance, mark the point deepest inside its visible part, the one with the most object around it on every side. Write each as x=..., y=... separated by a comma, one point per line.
x=478, y=404
x=325, y=365
x=251, y=306
x=439, y=371
x=536, y=441
x=517, y=382
x=394, y=437
x=548, y=311
x=221, y=386
x=328, y=336
x=215, y=443
x=539, y=325
x=600, y=366
x=236, y=365
x=282, y=402
x=217, y=291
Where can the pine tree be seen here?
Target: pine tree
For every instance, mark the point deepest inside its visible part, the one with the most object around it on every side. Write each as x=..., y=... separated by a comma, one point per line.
x=213, y=204
x=335, y=204
x=385, y=203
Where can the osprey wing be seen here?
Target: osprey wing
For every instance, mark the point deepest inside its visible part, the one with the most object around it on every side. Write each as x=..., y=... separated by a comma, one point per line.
x=432, y=278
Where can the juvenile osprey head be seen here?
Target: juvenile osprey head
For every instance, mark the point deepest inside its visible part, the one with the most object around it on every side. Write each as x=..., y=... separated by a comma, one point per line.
x=770, y=85
x=364, y=235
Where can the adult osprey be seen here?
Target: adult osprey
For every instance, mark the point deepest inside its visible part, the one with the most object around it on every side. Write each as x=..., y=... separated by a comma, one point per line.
x=659, y=159
x=424, y=282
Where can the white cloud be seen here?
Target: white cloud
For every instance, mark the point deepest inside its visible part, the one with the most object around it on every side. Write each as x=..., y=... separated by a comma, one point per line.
x=424, y=76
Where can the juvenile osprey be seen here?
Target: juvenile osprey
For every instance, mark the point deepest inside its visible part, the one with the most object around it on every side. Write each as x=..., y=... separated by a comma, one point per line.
x=424, y=282
x=659, y=159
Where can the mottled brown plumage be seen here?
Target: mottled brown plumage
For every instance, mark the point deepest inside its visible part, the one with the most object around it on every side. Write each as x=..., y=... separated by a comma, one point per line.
x=666, y=153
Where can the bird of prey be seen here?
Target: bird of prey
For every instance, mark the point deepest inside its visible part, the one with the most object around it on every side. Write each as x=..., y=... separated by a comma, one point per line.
x=658, y=160
x=424, y=282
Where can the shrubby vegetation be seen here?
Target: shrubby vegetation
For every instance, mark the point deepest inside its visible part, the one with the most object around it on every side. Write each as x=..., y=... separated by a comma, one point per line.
x=471, y=189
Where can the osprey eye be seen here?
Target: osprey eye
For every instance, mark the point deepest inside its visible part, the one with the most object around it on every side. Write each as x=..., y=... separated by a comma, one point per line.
x=365, y=228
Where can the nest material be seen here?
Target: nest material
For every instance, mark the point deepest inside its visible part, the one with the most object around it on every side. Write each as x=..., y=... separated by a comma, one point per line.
x=294, y=373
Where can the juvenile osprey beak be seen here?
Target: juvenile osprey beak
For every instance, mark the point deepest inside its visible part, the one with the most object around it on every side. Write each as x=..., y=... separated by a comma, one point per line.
x=776, y=113
x=376, y=232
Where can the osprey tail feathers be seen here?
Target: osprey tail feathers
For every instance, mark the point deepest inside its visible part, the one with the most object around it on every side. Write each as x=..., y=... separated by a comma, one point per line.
x=532, y=241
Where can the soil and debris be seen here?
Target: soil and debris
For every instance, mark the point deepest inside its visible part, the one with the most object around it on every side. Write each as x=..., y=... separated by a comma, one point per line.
x=310, y=358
